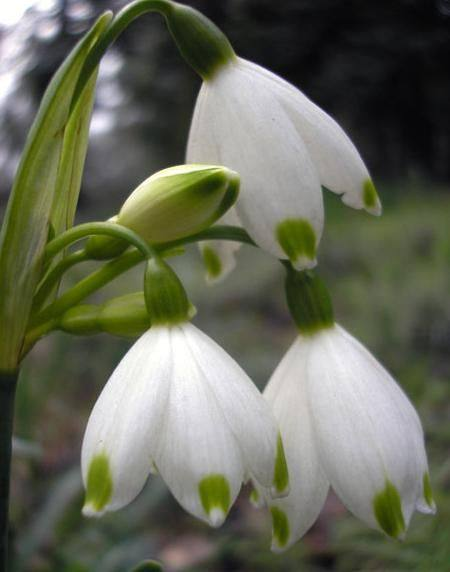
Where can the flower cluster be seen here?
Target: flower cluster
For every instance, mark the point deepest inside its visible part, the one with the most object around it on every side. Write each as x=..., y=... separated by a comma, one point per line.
x=178, y=404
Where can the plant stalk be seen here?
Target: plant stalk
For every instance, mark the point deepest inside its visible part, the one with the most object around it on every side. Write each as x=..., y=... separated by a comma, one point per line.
x=8, y=383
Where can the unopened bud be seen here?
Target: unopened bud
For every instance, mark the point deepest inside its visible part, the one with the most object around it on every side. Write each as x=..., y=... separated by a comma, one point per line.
x=125, y=316
x=179, y=201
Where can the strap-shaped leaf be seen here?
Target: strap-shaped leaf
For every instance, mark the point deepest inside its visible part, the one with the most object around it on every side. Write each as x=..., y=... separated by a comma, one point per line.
x=26, y=224
x=71, y=164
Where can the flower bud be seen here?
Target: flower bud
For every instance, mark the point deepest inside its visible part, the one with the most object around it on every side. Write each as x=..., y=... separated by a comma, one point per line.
x=125, y=316
x=179, y=201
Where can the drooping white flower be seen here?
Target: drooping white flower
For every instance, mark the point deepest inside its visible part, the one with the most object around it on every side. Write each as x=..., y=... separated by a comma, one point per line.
x=178, y=404
x=346, y=423
x=284, y=147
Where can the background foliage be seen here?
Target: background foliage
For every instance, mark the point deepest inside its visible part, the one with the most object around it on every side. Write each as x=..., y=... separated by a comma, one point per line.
x=382, y=70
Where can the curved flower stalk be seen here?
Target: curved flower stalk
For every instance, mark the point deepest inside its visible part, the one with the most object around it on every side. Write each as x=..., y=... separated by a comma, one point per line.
x=178, y=404
x=346, y=423
x=284, y=148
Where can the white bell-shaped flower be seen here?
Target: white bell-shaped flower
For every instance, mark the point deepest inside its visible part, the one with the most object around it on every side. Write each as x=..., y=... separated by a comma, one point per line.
x=346, y=423
x=284, y=147
x=178, y=404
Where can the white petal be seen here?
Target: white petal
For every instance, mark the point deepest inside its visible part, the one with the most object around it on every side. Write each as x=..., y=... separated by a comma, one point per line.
x=125, y=422
x=247, y=414
x=336, y=159
x=368, y=433
x=286, y=392
x=219, y=255
x=240, y=123
x=196, y=442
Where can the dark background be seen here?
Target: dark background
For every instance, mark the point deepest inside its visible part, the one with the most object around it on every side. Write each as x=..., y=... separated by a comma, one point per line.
x=381, y=68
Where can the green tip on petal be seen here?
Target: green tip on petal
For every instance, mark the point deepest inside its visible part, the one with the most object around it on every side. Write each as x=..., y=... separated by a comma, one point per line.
x=255, y=498
x=99, y=485
x=280, y=528
x=215, y=497
x=370, y=198
x=297, y=239
x=427, y=492
x=280, y=475
x=212, y=262
x=387, y=507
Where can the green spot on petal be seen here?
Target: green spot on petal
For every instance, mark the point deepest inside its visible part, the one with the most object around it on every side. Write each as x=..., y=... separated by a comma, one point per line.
x=427, y=492
x=388, y=511
x=254, y=497
x=280, y=526
x=297, y=238
x=99, y=483
x=212, y=262
x=214, y=492
x=280, y=475
x=370, y=195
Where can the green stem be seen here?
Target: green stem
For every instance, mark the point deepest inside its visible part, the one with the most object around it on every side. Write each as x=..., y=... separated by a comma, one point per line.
x=8, y=383
x=88, y=286
x=54, y=276
x=82, y=231
x=219, y=232
x=117, y=26
x=46, y=320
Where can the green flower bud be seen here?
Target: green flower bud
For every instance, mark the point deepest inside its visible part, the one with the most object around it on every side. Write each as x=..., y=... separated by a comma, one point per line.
x=80, y=320
x=179, y=201
x=125, y=316
x=309, y=302
x=200, y=42
x=166, y=299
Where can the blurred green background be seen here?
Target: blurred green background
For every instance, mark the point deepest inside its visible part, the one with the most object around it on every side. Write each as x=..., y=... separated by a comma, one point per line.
x=382, y=70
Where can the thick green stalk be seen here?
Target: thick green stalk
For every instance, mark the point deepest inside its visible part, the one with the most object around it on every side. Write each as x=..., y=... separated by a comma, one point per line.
x=8, y=382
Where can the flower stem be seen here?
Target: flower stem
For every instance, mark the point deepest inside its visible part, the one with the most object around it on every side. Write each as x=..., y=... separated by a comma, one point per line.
x=8, y=382
x=117, y=26
x=46, y=320
x=82, y=231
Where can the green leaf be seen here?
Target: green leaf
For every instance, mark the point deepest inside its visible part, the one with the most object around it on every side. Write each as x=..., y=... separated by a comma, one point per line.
x=27, y=220
x=71, y=164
